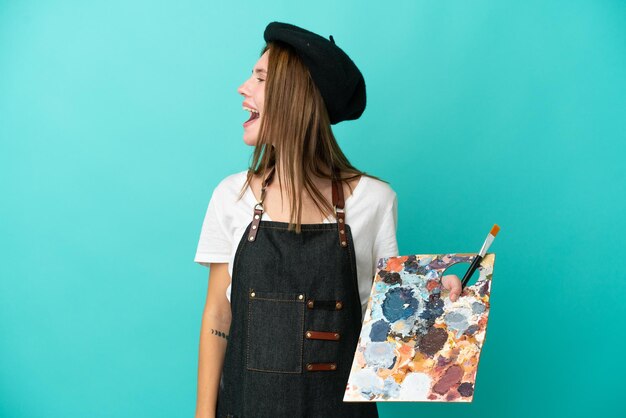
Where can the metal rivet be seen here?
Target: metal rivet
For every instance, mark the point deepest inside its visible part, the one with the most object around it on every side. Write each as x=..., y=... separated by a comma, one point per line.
x=300, y=297
x=309, y=304
x=309, y=366
x=308, y=334
x=338, y=305
x=253, y=226
x=256, y=216
x=252, y=294
x=340, y=220
x=336, y=336
x=343, y=243
x=333, y=366
x=250, y=238
x=341, y=231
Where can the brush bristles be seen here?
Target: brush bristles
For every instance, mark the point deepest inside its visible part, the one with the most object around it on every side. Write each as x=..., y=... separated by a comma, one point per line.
x=494, y=230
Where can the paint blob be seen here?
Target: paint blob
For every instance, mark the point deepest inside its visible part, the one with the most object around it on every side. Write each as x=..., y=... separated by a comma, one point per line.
x=466, y=389
x=433, y=341
x=379, y=331
x=399, y=303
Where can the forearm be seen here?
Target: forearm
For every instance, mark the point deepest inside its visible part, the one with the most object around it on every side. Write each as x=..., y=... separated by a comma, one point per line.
x=213, y=341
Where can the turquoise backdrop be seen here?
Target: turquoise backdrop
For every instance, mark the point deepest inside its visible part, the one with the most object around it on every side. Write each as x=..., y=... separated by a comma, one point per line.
x=118, y=118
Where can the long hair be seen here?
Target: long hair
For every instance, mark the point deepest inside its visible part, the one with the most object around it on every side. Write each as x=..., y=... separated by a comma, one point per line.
x=296, y=130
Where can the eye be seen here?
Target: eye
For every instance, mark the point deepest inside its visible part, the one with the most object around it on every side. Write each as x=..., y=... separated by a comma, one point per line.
x=260, y=79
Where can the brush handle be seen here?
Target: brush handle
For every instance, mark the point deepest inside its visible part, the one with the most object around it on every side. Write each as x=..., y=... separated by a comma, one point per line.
x=472, y=268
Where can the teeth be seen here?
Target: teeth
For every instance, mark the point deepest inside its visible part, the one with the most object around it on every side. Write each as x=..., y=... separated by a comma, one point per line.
x=250, y=110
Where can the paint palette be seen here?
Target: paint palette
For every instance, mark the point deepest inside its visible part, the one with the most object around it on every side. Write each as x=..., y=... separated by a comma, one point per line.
x=416, y=344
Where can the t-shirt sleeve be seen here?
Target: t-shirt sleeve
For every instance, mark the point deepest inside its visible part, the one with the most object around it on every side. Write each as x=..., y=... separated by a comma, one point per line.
x=386, y=244
x=214, y=245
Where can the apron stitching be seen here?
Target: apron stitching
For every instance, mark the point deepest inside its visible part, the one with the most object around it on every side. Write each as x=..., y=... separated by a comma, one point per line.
x=274, y=300
x=274, y=371
x=352, y=262
x=307, y=229
x=240, y=249
x=248, y=335
x=302, y=309
x=244, y=242
x=302, y=339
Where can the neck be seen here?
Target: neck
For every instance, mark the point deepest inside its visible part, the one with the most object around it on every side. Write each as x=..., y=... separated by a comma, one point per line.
x=281, y=172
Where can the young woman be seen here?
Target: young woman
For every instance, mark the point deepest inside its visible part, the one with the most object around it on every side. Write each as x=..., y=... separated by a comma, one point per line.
x=299, y=233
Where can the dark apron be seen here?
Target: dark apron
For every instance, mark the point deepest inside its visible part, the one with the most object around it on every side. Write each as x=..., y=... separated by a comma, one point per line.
x=296, y=319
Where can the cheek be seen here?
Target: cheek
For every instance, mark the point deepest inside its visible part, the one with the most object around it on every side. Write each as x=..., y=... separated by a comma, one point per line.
x=260, y=101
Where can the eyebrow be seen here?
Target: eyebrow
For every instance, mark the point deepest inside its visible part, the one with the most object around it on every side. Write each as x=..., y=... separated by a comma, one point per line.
x=259, y=70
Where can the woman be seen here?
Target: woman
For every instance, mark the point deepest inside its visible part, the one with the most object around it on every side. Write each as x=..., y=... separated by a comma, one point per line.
x=283, y=331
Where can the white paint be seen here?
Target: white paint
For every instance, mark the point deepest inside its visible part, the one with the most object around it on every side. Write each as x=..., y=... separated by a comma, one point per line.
x=415, y=387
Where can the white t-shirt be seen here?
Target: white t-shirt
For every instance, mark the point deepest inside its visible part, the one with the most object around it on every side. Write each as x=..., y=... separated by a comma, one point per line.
x=371, y=212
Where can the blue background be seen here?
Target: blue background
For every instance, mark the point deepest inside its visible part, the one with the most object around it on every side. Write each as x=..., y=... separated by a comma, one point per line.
x=118, y=118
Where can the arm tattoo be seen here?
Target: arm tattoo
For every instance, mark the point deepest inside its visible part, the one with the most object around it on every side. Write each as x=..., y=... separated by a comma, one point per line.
x=219, y=333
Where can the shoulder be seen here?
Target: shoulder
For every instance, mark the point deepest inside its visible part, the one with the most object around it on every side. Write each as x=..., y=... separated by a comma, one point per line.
x=226, y=192
x=373, y=201
x=377, y=191
x=230, y=184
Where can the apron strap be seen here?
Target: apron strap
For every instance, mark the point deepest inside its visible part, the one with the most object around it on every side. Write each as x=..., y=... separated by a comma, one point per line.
x=338, y=204
x=258, y=208
x=340, y=214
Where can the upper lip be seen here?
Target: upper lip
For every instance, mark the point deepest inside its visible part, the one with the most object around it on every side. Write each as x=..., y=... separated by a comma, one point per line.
x=250, y=106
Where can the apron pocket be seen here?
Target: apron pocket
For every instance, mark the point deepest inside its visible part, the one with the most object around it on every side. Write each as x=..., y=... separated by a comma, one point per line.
x=275, y=331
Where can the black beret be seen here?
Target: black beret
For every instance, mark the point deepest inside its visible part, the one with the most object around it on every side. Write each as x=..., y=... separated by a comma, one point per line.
x=336, y=76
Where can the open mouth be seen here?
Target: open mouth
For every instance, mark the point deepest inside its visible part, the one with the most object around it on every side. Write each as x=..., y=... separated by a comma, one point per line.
x=254, y=115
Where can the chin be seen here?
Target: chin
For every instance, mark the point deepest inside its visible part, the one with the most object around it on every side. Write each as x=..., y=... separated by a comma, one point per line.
x=249, y=141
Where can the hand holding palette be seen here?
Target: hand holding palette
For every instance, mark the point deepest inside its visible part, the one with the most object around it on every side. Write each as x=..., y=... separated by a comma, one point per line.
x=416, y=344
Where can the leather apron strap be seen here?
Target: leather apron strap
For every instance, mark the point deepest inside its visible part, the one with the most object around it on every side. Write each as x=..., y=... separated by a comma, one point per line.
x=338, y=204
x=340, y=213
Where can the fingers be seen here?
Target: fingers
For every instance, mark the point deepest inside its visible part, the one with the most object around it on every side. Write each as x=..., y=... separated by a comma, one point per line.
x=453, y=284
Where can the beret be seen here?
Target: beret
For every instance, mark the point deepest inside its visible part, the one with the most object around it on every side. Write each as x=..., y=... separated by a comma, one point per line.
x=338, y=79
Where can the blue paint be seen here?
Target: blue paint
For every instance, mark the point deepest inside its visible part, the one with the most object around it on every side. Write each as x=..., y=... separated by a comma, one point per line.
x=471, y=329
x=456, y=321
x=478, y=308
x=380, y=330
x=399, y=303
x=433, y=309
x=379, y=355
x=391, y=389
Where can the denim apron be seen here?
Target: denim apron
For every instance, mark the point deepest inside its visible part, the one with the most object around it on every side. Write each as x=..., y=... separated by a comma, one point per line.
x=296, y=318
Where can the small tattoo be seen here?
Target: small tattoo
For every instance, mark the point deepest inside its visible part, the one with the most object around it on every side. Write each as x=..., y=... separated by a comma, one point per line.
x=219, y=333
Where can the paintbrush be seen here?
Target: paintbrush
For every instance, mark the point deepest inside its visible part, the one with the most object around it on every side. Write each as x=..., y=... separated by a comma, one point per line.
x=472, y=268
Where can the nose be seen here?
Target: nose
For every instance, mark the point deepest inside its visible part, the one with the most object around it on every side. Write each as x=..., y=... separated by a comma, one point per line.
x=242, y=89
